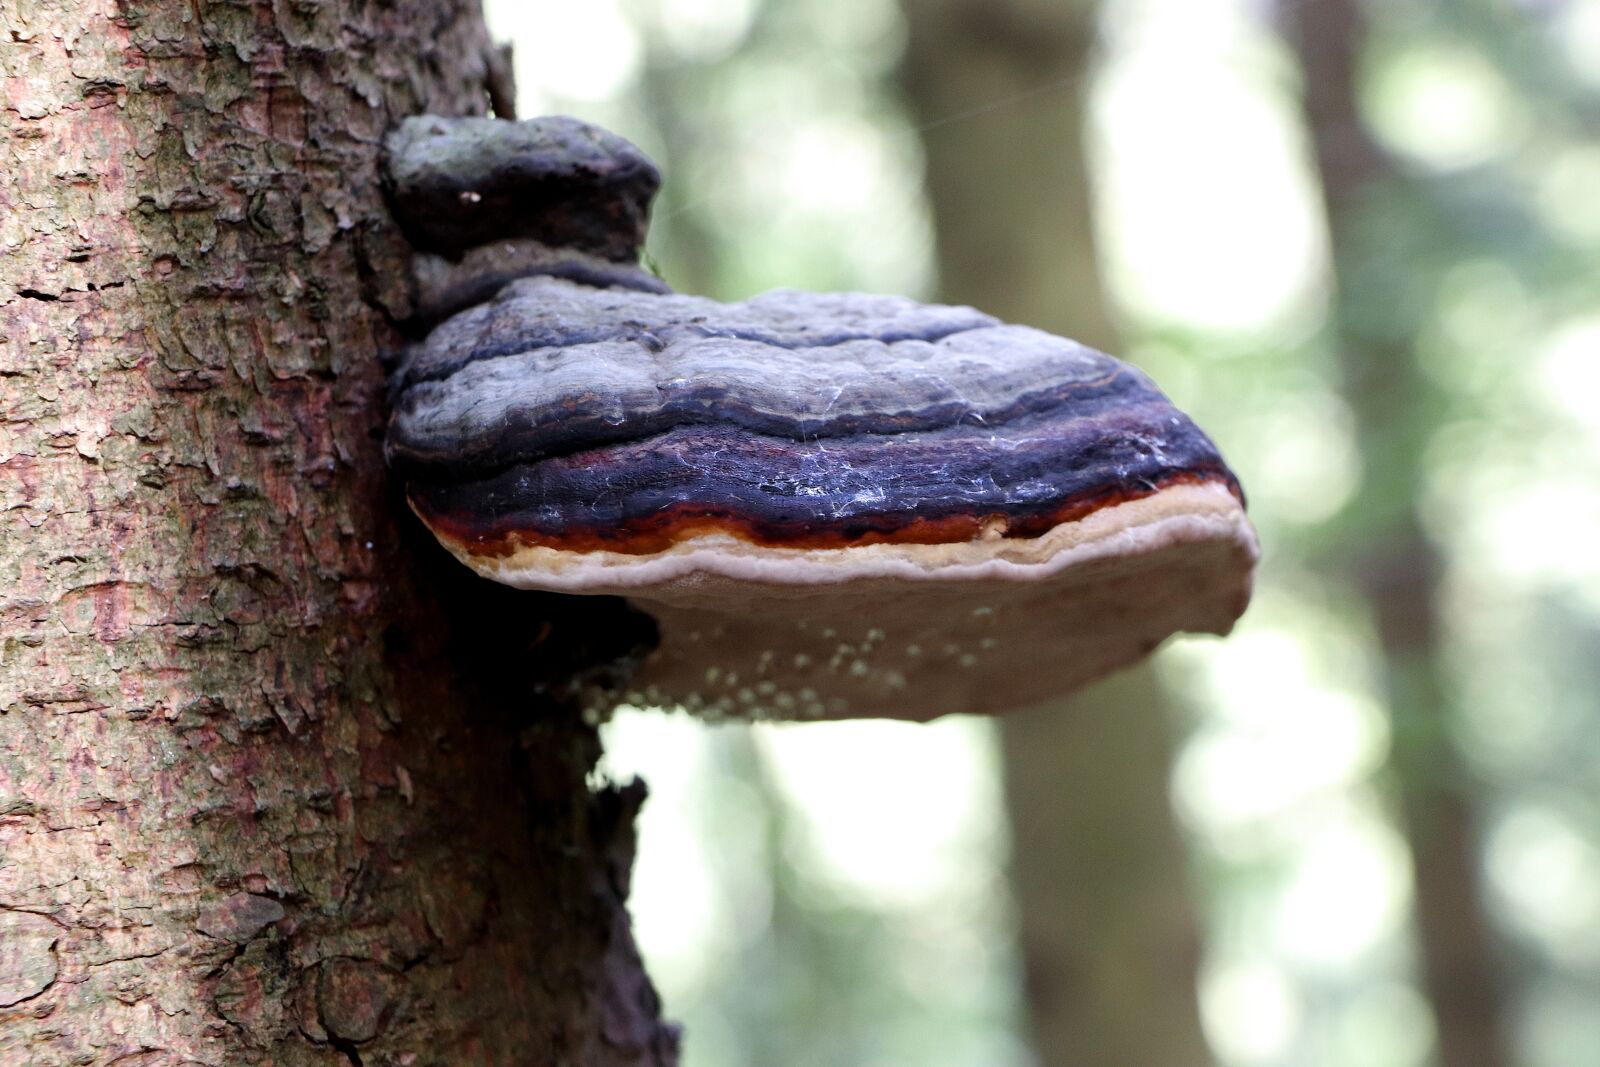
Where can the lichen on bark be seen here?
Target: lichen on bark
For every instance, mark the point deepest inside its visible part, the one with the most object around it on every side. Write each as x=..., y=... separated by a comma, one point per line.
x=277, y=780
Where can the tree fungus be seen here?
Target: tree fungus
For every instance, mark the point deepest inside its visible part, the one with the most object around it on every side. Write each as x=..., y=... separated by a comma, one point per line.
x=833, y=505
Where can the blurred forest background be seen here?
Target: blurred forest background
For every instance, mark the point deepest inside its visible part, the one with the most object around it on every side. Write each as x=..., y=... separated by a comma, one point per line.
x=1361, y=244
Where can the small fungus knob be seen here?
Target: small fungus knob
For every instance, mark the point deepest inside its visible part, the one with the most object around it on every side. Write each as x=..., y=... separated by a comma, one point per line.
x=459, y=183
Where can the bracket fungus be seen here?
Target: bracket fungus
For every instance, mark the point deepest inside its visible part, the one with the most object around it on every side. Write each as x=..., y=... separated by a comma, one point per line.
x=832, y=505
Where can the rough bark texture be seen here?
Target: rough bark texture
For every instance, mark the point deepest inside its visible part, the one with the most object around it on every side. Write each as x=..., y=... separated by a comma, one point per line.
x=1109, y=939
x=1400, y=568
x=276, y=785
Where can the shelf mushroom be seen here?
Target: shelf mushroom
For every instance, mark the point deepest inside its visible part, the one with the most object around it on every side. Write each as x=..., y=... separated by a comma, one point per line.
x=833, y=505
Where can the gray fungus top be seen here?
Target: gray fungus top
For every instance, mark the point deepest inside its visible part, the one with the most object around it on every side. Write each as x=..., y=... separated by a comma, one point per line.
x=459, y=183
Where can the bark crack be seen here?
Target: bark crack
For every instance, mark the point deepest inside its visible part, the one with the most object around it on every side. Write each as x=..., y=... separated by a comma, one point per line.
x=347, y=1049
x=125, y=959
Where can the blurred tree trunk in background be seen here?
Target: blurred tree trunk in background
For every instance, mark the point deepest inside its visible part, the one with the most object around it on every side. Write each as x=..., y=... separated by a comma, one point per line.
x=275, y=785
x=1399, y=567
x=1108, y=934
x=666, y=96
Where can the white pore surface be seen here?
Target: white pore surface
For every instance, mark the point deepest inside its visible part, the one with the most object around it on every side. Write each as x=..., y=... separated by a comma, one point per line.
x=916, y=631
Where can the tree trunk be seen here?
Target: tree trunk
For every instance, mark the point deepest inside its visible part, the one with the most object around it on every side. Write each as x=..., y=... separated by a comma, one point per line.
x=1399, y=569
x=275, y=783
x=1108, y=934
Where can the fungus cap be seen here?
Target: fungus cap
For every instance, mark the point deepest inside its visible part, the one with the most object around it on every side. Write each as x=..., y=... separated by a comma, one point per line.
x=461, y=183
x=833, y=505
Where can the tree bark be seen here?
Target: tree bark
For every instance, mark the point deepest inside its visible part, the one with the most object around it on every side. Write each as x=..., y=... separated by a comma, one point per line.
x=1399, y=568
x=277, y=782
x=1108, y=934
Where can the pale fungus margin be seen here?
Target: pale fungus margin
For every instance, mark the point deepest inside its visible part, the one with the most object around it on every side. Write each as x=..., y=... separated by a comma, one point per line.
x=833, y=505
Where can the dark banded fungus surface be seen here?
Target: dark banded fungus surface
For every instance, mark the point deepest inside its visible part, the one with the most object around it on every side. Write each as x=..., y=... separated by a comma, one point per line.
x=833, y=505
